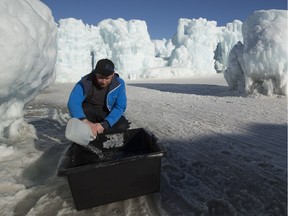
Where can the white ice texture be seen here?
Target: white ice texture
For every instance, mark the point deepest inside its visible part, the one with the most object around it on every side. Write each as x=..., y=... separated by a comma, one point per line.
x=28, y=52
x=128, y=45
x=260, y=62
x=199, y=47
x=33, y=55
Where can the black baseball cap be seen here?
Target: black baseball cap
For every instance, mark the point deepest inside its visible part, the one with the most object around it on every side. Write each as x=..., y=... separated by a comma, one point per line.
x=104, y=67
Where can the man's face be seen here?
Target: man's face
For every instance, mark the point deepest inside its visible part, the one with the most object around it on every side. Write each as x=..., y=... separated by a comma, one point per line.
x=103, y=81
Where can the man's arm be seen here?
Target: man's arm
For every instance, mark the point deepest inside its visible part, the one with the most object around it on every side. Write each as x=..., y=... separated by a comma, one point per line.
x=119, y=106
x=75, y=100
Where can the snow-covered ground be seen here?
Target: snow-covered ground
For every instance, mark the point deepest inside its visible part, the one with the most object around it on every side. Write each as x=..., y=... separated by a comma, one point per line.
x=226, y=153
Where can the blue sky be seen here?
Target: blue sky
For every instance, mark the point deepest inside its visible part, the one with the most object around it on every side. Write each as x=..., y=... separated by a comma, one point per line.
x=161, y=16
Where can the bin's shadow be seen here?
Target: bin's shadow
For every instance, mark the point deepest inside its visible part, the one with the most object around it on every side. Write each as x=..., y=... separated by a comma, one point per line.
x=197, y=89
x=41, y=175
x=52, y=142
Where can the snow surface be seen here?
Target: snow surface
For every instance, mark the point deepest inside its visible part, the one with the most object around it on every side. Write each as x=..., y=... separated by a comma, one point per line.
x=226, y=151
x=226, y=155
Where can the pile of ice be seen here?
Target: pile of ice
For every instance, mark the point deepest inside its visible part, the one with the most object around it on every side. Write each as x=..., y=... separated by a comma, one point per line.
x=196, y=41
x=128, y=45
x=260, y=62
x=28, y=52
x=199, y=47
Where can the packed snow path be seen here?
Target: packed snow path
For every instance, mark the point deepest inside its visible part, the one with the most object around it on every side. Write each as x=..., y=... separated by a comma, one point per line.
x=226, y=151
x=226, y=154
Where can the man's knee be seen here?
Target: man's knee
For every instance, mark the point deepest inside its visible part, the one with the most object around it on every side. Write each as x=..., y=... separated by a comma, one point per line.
x=122, y=125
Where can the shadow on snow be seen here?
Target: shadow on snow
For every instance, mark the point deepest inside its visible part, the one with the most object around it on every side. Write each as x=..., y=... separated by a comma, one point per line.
x=197, y=89
x=224, y=175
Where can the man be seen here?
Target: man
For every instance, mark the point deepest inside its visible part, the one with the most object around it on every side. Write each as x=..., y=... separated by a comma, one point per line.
x=99, y=99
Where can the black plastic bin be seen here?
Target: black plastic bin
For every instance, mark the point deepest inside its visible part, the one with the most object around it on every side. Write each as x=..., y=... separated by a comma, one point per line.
x=125, y=172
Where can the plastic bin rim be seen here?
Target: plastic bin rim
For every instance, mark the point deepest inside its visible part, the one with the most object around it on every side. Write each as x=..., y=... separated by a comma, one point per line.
x=69, y=171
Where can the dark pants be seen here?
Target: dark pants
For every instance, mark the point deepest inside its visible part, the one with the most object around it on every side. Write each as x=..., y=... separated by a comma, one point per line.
x=97, y=114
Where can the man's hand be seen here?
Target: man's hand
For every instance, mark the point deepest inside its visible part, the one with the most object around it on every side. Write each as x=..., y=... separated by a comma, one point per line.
x=96, y=128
